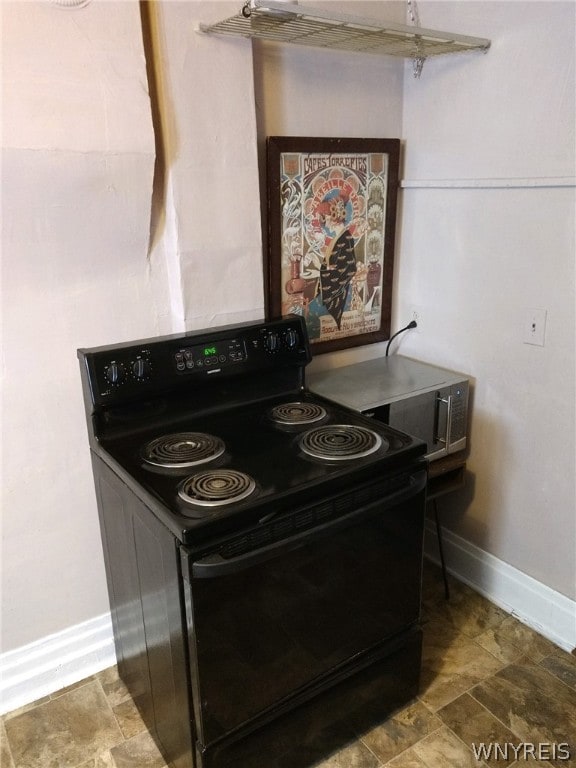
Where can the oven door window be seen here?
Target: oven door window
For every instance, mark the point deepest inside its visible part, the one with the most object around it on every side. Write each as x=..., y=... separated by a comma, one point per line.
x=265, y=629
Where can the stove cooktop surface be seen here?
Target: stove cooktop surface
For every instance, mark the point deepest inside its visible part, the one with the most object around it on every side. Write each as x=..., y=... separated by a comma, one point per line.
x=256, y=459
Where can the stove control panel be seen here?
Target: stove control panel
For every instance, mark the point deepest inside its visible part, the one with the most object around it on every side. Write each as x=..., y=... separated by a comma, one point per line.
x=122, y=372
x=210, y=355
x=265, y=345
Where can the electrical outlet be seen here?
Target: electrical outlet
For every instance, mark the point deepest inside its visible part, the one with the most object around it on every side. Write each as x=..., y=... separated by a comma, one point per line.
x=416, y=314
x=535, y=326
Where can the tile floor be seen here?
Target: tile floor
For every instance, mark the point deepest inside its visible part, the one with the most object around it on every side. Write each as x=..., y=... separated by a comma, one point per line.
x=486, y=678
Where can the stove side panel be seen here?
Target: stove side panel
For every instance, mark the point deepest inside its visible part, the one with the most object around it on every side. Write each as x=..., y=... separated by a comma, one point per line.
x=144, y=586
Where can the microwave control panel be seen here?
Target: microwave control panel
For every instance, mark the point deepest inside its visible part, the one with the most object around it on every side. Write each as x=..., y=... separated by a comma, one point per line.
x=459, y=400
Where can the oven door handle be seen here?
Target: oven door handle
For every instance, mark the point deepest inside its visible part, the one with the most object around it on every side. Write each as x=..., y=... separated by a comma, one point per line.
x=214, y=565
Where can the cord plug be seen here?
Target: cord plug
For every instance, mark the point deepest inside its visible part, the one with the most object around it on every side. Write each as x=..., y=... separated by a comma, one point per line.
x=411, y=324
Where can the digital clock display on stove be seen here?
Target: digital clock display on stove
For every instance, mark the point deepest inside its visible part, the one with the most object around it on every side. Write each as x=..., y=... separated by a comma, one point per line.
x=202, y=357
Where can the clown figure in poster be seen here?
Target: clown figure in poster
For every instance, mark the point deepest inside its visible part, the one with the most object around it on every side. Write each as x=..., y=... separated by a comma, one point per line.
x=339, y=264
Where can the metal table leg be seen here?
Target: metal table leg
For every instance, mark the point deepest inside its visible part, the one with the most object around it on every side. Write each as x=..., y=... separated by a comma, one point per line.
x=441, y=549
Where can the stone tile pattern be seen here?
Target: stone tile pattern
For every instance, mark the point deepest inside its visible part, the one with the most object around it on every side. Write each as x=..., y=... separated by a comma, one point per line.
x=486, y=679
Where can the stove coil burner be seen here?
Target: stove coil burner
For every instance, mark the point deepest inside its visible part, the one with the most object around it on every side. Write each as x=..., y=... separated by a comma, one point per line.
x=341, y=442
x=297, y=413
x=215, y=488
x=182, y=449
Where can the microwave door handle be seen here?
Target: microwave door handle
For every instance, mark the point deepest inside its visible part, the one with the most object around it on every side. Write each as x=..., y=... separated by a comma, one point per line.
x=449, y=423
x=448, y=402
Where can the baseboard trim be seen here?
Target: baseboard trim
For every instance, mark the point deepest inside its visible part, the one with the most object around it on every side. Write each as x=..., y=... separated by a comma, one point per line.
x=53, y=662
x=550, y=613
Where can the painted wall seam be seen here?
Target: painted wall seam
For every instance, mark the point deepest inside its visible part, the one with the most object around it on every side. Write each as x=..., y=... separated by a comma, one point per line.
x=505, y=183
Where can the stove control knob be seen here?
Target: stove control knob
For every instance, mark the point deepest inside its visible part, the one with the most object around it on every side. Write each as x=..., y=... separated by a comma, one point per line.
x=291, y=338
x=272, y=342
x=114, y=373
x=141, y=369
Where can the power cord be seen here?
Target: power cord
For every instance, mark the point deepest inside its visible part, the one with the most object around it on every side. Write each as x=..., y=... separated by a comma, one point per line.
x=412, y=324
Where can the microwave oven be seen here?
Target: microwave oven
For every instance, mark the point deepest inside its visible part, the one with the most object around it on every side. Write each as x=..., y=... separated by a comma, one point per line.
x=420, y=399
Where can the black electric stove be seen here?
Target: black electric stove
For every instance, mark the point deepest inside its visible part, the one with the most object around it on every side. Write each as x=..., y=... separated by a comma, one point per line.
x=263, y=545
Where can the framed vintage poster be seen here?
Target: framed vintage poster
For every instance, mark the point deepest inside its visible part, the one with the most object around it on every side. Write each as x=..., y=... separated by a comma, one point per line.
x=331, y=231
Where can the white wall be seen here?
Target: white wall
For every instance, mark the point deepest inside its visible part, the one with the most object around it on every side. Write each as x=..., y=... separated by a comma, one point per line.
x=78, y=154
x=488, y=233
x=209, y=233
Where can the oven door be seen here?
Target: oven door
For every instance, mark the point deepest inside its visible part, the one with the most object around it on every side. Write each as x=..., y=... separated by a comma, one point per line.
x=283, y=619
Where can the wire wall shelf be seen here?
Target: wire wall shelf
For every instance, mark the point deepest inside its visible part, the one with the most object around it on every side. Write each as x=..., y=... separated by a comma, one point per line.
x=287, y=22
